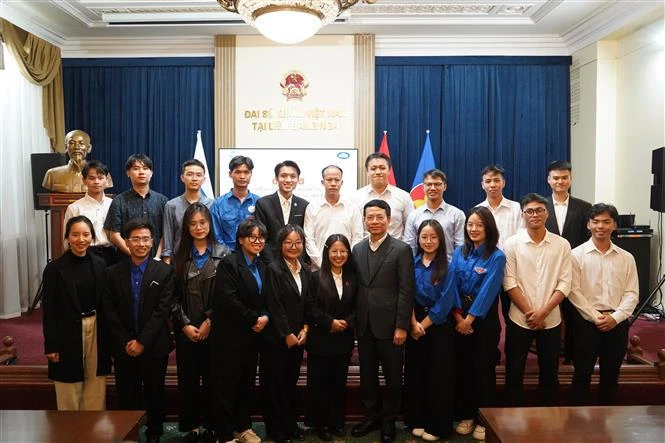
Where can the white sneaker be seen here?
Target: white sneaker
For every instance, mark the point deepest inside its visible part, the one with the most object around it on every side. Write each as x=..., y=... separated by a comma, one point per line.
x=479, y=433
x=464, y=427
x=417, y=432
x=429, y=437
x=247, y=436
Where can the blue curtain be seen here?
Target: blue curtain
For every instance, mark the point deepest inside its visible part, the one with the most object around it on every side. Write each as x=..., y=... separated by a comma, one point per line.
x=510, y=111
x=149, y=105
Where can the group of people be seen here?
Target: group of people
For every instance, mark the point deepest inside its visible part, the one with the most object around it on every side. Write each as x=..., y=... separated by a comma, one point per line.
x=247, y=281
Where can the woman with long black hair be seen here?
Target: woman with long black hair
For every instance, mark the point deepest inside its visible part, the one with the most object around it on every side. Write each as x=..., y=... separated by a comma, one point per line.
x=75, y=341
x=429, y=366
x=331, y=306
x=477, y=270
x=195, y=262
x=286, y=289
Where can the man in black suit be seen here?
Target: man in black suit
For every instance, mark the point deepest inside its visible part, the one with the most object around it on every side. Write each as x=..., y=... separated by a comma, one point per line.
x=383, y=309
x=281, y=208
x=567, y=217
x=138, y=301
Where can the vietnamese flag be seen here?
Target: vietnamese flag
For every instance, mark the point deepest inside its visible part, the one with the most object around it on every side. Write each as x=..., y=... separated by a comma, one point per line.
x=384, y=150
x=425, y=164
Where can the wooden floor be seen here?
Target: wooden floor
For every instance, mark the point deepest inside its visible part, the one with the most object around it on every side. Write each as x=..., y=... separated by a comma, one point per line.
x=606, y=424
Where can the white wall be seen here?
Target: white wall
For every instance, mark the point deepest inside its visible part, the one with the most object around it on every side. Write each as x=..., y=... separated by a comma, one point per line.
x=640, y=125
x=622, y=119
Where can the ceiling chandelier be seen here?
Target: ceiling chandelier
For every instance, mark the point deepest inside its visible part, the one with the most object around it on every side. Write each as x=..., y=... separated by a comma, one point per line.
x=288, y=21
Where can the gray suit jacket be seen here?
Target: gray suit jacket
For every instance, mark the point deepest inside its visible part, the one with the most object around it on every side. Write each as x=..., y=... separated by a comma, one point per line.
x=386, y=286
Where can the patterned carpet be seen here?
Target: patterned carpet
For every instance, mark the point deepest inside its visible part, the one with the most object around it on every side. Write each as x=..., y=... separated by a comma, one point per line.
x=171, y=435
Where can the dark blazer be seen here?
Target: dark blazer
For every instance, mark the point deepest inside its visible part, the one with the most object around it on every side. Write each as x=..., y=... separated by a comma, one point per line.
x=574, y=227
x=323, y=308
x=285, y=304
x=237, y=303
x=386, y=286
x=62, y=320
x=269, y=212
x=155, y=305
x=194, y=291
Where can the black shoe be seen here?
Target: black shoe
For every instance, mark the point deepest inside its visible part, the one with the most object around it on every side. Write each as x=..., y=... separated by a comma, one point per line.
x=191, y=437
x=324, y=434
x=298, y=433
x=388, y=432
x=152, y=438
x=365, y=427
x=338, y=432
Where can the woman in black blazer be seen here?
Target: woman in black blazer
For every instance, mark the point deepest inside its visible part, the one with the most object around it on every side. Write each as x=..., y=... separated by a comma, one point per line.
x=286, y=288
x=239, y=318
x=195, y=264
x=74, y=331
x=331, y=306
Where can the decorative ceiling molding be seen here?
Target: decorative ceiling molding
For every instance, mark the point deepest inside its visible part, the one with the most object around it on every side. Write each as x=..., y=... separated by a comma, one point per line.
x=145, y=47
x=26, y=22
x=605, y=20
x=551, y=45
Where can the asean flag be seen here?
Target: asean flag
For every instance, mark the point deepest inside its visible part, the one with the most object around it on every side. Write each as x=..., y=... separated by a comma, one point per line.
x=425, y=164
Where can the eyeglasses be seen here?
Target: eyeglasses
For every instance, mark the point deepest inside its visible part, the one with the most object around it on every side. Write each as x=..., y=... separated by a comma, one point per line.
x=254, y=239
x=290, y=244
x=140, y=239
x=534, y=211
x=433, y=185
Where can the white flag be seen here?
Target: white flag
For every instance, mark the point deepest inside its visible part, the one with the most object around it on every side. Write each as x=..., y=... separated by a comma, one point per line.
x=200, y=155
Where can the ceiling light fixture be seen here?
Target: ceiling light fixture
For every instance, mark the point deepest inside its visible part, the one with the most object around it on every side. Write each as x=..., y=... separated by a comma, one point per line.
x=288, y=21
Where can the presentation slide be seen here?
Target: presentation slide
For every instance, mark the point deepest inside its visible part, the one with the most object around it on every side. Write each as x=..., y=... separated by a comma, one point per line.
x=310, y=160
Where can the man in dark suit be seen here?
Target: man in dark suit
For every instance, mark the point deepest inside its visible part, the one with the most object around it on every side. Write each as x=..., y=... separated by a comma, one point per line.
x=383, y=309
x=281, y=208
x=567, y=217
x=138, y=301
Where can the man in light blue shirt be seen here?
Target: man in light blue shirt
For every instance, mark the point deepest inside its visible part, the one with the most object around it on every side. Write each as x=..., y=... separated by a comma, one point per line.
x=451, y=218
x=229, y=210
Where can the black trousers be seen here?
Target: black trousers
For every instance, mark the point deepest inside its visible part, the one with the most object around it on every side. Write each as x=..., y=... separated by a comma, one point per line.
x=548, y=344
x=140, y=385
x=326, y=390
x=194, y=388
x=568, y=312
x=373, y=351
x=430, y=381
x=234, y=376
x=608, y=348
x=476, y=366
x=278, y=373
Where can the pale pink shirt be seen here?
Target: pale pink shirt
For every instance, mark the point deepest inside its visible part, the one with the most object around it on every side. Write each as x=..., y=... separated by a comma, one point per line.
x=538, y=269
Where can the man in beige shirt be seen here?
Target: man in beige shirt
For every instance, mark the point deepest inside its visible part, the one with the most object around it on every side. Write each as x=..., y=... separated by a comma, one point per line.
x=604, y=293
x=537, y=278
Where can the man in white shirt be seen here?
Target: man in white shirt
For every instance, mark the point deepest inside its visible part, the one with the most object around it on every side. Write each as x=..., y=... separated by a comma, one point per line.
x=95, y=205
x=378, y=167
x=604, y=293
x=452, y=219
x=537, y=278
x=331, y=215
x=507, y=213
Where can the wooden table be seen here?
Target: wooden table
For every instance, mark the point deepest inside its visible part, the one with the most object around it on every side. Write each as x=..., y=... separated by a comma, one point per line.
x=70, y=426
x=588, y=424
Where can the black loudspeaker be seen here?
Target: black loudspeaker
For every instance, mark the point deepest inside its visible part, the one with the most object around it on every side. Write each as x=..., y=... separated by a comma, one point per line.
x=40, y=164
x=658, y=187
